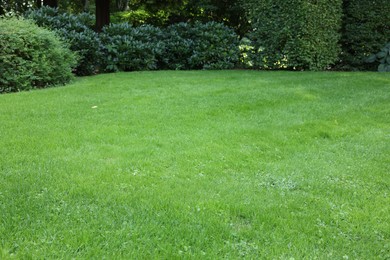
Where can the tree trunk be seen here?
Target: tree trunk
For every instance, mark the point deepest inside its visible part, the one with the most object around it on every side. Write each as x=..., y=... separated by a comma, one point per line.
x=102, y=14
x=38, y=3
x=51, y=3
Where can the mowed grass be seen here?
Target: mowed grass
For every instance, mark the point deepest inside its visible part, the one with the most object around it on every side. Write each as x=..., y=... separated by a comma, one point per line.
x=208, y=164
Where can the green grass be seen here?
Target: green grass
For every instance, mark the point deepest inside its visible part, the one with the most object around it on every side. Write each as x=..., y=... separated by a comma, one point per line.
x=205, y=164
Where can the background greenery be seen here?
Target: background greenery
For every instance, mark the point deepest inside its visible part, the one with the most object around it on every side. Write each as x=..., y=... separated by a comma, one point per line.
x=366, y=29
x=295, y=34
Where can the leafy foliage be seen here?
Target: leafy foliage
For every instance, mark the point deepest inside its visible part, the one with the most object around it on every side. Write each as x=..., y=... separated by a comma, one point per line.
x=366, y=28
x=215, y=46
x=179, y=43
x=229, y=12
x=15, y=6
x=130, y=48
x=303, y=37
x=383, y=57
x=201, y=46
x=31, y=57
x=77, y=30
x=167, y=12
x=180, y=46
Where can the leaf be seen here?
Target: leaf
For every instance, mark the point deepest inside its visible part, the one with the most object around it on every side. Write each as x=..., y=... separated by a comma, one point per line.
x=382, y=68
x=371, y=58
x=381, y=54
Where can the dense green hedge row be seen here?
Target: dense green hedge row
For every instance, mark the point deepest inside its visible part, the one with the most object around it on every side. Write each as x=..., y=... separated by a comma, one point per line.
x=295, y=34
x=32, y=57
x=122, y=47
x=317, y=34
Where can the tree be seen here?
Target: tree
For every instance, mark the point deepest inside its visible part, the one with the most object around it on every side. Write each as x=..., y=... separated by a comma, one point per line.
x=51, y=3
x=102, y=14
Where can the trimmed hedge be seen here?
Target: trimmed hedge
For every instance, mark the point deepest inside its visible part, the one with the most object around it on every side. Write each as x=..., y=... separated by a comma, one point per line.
x=366, y=29
x=32, y=57
x=295, y=34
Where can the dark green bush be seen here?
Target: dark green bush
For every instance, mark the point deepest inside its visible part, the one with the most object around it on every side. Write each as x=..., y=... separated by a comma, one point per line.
x=201, y=46
x=295, y=34
x=179, y=42
x=366, y=29
x=32, y=57
x=215, y=46
x=128, y=48
x=180, y=46
x=77, y=30
x=383, y=57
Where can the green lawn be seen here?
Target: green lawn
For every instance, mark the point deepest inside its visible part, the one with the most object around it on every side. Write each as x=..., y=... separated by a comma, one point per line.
x=208, y=164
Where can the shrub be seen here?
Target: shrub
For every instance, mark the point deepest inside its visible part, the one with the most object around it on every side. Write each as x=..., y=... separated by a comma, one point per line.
x=215, y=46
x=295, y=34
x=179, y=43
x=366, y=28
x=75, y=29
x=383, y=57
x=129, y=48
x=179, y=46
x=201, y=46
x=31, y=57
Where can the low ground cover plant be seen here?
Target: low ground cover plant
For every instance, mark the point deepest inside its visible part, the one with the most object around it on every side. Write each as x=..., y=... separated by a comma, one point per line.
x=32, y=57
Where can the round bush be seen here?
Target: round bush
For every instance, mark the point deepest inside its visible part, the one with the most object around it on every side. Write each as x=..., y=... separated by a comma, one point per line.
x=129, y=48
x=179, y=43
x=216, y=46
x=32, y=57
x=75, y=29
x=201, y=46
